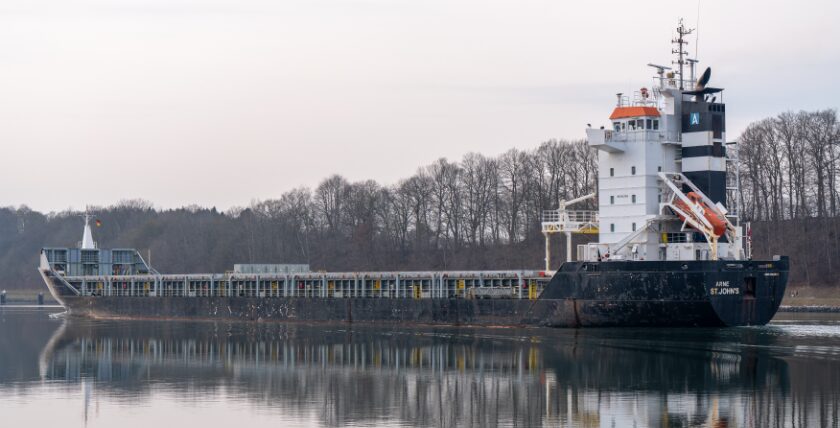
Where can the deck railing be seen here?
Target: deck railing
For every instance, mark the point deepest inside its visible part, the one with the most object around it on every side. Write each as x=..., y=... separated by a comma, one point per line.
x=410, y=285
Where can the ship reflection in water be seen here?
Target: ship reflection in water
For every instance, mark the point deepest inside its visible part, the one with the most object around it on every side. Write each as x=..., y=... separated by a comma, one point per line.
x=786, y=374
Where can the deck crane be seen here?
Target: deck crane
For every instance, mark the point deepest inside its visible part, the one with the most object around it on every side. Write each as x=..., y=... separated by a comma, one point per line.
x=567, y=221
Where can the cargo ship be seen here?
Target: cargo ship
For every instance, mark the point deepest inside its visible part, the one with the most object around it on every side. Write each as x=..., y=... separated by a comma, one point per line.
x=671, y=248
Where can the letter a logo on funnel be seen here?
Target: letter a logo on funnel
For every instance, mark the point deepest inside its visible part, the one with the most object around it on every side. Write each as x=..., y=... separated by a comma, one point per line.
x=694, y=119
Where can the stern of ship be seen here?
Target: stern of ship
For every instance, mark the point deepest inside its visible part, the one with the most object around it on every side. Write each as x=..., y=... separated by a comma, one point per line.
x=747, y=292
x=663, y=293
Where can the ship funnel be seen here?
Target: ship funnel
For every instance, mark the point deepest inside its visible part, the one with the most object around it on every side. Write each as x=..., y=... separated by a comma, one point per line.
x=704, y=79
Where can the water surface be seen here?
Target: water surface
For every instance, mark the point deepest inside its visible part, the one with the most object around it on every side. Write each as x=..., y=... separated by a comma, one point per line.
x=59, y=372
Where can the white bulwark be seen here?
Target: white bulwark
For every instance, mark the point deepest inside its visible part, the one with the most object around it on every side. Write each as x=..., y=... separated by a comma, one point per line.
x=662, y=181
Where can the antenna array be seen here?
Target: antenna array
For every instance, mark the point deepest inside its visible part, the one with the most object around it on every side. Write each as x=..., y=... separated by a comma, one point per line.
x=680, y=50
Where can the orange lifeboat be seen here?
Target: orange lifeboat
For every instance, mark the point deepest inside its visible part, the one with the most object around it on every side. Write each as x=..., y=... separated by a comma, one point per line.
x=711, y=214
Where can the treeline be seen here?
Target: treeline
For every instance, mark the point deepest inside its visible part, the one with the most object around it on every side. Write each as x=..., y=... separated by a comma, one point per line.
x=789, y=166
x=479, y=213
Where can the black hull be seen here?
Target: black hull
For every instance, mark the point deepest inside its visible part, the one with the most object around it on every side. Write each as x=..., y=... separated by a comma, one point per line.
x=696, y=293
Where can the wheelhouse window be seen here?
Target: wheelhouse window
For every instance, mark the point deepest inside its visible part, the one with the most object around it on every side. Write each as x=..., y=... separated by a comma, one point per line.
x=617, y=126
x=649, y=124
x=640, y=124
x=655, y=124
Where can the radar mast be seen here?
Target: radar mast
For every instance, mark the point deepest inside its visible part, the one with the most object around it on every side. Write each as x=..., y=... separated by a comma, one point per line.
x=680, y=50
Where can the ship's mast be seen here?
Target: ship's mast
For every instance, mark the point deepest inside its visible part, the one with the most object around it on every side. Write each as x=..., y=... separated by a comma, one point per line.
x=680, y=49
x=87, y=236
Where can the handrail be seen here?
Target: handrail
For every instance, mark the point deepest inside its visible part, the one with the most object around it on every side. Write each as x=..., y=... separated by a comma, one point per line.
x=562, y=216
x=640, y=135
x=614, y=248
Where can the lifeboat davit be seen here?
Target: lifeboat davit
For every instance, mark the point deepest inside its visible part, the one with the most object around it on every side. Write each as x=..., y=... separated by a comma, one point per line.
x=715, y=218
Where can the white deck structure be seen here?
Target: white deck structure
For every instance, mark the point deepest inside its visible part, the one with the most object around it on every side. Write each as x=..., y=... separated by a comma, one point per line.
x=662, y=183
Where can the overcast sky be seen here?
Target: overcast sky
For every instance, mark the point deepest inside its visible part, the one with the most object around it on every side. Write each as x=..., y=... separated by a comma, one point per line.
x=220, y=102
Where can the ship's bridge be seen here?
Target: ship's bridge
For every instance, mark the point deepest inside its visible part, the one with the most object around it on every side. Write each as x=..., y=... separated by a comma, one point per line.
x=633, y=118
x=639, y=120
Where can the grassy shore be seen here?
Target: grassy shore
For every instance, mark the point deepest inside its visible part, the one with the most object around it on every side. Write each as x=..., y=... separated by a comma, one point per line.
x=803, y=295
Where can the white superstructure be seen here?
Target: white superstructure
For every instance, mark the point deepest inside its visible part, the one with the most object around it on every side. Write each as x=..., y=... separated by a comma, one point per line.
x=662, y=173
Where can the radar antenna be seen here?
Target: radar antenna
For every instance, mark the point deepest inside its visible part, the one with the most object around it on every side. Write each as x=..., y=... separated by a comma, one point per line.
x=660, y=70
x=680, y=49
x=693, y=62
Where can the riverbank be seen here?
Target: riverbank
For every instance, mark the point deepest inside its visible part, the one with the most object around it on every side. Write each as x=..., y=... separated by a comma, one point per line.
x=811, y=299
x=27, y=297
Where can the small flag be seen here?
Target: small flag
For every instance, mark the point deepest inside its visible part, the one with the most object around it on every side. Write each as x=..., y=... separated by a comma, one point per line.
x=98, y=222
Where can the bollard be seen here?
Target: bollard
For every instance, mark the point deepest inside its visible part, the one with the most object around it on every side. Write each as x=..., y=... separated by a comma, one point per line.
x=40, y=299
x=3, y=297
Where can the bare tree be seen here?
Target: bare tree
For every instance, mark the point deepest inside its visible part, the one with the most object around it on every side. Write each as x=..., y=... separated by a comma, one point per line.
x=332, y=195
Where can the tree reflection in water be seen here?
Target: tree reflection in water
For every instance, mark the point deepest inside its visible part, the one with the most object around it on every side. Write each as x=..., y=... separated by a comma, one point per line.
x=763, y=377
